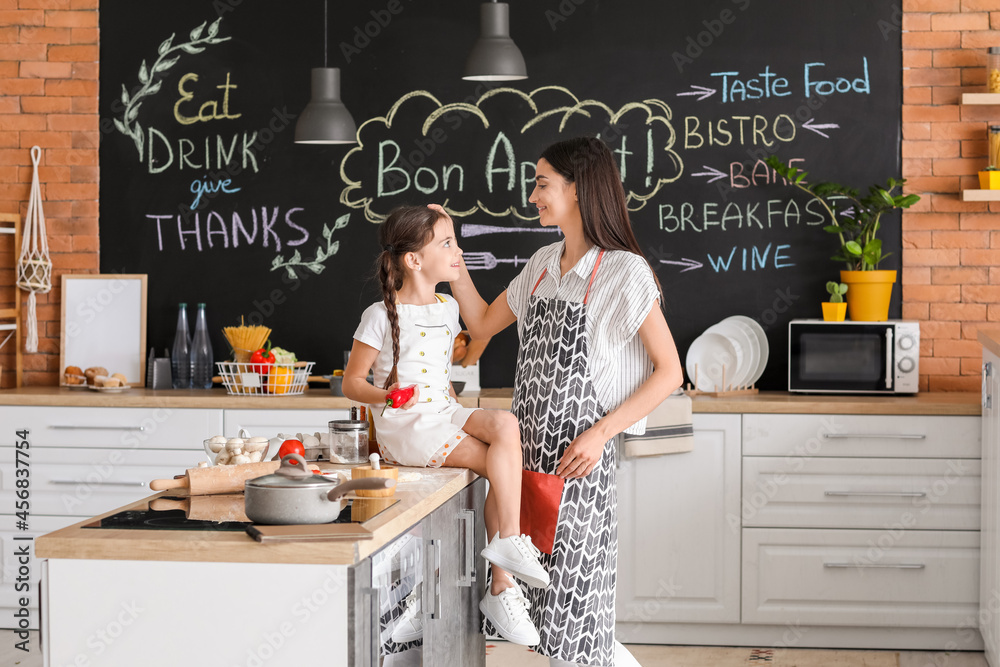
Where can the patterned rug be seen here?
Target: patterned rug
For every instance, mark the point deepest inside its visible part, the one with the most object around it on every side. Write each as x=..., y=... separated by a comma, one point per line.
x=503, y=654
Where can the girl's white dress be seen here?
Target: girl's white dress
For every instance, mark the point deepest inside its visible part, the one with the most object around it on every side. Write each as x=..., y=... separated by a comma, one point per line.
x=425, y=434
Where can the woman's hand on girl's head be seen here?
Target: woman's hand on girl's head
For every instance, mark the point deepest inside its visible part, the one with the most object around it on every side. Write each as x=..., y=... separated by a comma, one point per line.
x=582, y=455
x=413, y=399
x=439, y=209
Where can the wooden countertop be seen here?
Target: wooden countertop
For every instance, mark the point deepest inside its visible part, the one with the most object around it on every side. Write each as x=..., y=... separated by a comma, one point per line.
x=416, y=500
x=990, y=338
x=312, y=399
x=927, y=403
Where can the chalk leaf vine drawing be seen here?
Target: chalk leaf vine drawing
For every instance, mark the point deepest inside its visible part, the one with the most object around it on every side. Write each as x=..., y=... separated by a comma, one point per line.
x=317, y=264
x=167, y=57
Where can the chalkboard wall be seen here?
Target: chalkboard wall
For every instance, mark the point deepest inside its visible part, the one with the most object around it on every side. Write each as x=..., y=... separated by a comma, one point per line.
x=203, y=188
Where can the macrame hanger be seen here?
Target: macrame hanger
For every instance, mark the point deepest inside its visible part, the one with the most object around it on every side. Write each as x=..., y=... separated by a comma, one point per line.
x=34, y=268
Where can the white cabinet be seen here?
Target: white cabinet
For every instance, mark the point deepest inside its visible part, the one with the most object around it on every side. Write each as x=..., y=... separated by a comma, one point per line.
x=897, y=477
x=269, y=423
x=989, y=577
x=891, y=578
x=83, y=462
x=679, y=532
x=810, y=530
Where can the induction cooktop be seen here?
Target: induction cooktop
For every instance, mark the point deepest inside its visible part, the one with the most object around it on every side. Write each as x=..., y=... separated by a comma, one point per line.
x=356, y=510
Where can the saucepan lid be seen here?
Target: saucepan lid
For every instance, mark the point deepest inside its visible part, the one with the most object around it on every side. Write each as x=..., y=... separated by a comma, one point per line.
x=292, y=476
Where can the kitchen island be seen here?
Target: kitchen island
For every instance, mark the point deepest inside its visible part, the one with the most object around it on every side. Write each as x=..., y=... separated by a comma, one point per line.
x=112, y=596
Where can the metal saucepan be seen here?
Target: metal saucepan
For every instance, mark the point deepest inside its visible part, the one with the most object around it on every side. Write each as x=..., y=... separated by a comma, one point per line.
x=295, y=495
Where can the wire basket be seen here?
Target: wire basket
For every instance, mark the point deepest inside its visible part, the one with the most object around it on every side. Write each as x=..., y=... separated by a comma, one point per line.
x=242, y=379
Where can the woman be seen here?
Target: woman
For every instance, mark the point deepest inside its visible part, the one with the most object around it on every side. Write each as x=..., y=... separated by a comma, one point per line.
x=595, y=357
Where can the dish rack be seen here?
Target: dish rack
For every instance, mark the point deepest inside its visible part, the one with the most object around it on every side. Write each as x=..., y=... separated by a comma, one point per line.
x=244, y=379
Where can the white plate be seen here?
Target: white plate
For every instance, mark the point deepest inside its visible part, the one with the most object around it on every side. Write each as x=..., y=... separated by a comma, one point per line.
x=752, y=359
x=110, y=390
x=710, y=351
x=761, y=343
x=745, y=344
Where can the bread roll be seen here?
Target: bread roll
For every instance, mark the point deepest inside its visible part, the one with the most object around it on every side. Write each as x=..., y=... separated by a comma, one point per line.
x=93, y=372
x=121, y=378
x=75, y=379
x=112, y=382
x=73, y=370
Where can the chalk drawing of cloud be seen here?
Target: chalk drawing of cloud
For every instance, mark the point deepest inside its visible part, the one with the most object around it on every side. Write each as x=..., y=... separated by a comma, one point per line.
x=479, y=156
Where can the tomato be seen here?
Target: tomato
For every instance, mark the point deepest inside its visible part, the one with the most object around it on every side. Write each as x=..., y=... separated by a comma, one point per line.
x=291, y=447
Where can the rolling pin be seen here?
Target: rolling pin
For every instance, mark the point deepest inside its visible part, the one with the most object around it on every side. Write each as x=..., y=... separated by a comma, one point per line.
x=216, y=479
x=205, y=508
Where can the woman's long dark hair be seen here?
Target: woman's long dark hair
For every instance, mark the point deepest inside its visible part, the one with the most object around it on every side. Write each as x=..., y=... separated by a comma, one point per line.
x=407, y=229
x=588, y=162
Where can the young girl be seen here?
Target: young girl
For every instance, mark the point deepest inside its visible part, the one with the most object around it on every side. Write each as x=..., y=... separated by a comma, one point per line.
x=406, y=339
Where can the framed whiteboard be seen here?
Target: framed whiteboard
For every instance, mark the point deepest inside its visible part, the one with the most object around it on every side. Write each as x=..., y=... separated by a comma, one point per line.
x=104, y=324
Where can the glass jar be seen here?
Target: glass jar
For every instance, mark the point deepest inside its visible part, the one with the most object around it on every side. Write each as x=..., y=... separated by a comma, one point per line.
x=994, y=145
x=993, y=69
x=349, y=440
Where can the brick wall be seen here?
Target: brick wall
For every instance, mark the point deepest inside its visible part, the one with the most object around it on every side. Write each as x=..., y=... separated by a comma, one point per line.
x=48, y=98
x=951, y=250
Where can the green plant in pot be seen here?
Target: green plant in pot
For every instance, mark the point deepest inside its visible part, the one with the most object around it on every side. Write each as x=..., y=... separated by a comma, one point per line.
x=856, y=226
x=835, y=309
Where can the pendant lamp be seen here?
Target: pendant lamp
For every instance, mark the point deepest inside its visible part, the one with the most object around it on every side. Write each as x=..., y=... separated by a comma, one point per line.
x=325, y=120
x=495, y=57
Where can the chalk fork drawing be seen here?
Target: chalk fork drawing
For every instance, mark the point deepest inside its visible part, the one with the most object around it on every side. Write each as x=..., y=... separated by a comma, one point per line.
x=129, y=124
x=318, y=263
x=487, y=260
x=657, y=114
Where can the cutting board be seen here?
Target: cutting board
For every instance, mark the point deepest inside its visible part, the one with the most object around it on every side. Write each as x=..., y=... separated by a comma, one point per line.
x=321, y=532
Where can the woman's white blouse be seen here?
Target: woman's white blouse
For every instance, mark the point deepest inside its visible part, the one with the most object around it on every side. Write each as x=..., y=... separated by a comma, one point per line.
x=621, y=297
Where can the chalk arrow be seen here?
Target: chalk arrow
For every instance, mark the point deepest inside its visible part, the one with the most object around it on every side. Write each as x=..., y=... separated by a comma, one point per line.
x=700, y=92
x=479, y=230
x=714, y=173
x=809, y=125
x=684, y=261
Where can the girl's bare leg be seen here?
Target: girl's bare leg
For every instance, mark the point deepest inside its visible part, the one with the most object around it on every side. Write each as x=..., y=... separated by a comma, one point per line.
x=500, y=463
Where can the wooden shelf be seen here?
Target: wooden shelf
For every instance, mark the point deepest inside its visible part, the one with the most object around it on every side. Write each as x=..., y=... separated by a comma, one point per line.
x=980, y=98
x=980, y=195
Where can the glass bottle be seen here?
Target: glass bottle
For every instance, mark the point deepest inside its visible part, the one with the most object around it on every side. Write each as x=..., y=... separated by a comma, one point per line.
x=180, y=355
x=994, y=146
x=202, y=361
x=993, y=69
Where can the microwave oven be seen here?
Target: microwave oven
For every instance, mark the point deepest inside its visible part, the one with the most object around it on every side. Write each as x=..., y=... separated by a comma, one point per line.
x=853, y=357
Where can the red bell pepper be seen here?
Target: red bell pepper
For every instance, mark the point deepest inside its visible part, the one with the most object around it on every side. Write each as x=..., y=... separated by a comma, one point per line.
x=261, y=360
x=398, y=397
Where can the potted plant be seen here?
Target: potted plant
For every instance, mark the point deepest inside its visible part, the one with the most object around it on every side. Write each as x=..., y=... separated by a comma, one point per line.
x=856, y=226
x=835, y=309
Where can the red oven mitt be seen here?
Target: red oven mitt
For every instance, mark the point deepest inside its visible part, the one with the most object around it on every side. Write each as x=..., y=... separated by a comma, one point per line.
x=540, y=498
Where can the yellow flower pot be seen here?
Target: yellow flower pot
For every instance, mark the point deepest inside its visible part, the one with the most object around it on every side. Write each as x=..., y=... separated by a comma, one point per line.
x=834, y=312
x=989, y=180
x=868, y=294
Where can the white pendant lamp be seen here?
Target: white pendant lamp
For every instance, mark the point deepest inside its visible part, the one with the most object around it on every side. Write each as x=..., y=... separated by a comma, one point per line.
x=325, y=120
x=495, y=57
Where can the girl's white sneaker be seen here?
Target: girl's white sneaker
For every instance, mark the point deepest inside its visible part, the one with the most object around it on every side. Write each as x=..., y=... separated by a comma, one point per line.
x=508, y=612
x=517, y=555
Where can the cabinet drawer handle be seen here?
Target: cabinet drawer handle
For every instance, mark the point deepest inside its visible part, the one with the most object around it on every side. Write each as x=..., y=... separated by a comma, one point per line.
x=892, y=494
x=431, y=595
x=74, y=482
x=70, y=427
x=894, y=566
x=884, y=436
x=468, y=577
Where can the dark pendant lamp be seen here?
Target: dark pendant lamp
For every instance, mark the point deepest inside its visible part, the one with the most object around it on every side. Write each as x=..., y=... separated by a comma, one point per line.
x=325, y=120
x=495, y=57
